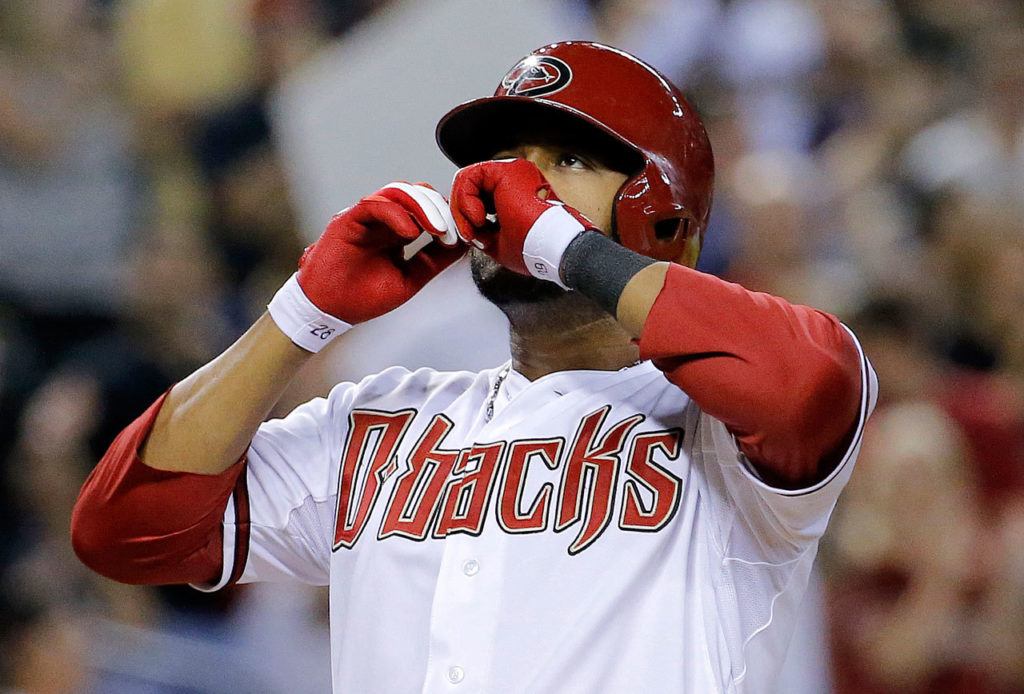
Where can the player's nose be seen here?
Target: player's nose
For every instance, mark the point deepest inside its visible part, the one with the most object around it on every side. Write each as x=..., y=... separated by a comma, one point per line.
x=535, y=154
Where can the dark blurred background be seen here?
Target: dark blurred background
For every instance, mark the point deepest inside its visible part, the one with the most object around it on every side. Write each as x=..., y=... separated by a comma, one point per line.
x=163, y=162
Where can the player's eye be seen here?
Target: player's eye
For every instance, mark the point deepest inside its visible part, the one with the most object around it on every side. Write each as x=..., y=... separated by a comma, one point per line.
x=573, y=161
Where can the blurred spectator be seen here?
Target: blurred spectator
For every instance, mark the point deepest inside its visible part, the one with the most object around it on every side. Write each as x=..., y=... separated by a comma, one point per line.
x=675, y=37
x=907, y=570
x=42, y=647
x=251, y=224
x=980, y=147
x=767, y=50
x=114, y=284
x=924, y=576
x=786, y=248
x=68, y=179
x=184, y=56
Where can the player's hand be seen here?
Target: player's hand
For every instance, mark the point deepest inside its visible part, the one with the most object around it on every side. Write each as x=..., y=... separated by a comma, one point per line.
x=356, y=270
x=507, y=208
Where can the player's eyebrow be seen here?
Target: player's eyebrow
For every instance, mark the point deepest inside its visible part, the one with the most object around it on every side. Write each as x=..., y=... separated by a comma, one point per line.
x=563, y=144
x=504, y=153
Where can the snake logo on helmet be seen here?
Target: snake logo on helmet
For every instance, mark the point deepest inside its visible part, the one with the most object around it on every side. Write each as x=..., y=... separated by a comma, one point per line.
x=537, y=76
x=666, y=202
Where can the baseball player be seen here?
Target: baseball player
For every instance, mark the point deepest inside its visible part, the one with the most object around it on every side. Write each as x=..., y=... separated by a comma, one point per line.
x=631, y=504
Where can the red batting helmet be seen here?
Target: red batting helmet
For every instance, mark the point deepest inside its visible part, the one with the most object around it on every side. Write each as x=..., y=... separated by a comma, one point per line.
x=669, y=197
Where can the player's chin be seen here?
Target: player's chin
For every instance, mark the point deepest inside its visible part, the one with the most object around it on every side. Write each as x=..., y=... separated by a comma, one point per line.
x=504, y=287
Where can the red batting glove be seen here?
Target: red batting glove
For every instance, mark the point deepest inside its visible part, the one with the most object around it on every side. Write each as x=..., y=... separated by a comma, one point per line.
x=527, y=233
x=356, y=270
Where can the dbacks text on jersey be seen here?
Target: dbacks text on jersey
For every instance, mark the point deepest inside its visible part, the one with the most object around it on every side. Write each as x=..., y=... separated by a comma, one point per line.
x=441, y=491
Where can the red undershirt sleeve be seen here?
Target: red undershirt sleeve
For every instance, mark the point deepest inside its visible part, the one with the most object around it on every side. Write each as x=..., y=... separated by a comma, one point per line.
x=136, y=524
x=784, y=379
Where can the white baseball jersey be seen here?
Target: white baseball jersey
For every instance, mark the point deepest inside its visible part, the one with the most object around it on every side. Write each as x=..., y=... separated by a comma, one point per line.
x=589, y=531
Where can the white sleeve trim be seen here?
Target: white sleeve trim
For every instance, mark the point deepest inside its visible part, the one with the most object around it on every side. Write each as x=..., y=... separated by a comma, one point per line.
x=235, y=537
x=228, y=562
x=868, y=397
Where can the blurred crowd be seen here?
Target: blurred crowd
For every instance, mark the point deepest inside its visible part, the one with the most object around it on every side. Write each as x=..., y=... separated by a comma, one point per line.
x=870, y=158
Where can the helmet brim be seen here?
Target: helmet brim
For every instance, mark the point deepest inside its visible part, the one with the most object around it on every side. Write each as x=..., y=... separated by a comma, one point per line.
x=475, y=130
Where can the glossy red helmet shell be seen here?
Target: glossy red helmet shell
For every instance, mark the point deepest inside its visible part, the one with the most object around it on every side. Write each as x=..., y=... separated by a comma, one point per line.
x=669, y=199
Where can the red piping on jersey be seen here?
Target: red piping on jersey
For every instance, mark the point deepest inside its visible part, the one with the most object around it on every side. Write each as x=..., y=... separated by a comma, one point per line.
x=241, y=499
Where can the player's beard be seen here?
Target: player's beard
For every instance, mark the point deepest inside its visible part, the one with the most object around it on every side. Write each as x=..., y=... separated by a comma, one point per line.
x=529, y=302
x=504, y=287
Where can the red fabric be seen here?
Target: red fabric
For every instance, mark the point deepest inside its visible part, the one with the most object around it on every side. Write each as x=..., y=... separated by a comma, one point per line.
x=785, y=379
x=355, y=271
x=856, y=604
x=990, y=412
x=514, y=187
x=135, y=524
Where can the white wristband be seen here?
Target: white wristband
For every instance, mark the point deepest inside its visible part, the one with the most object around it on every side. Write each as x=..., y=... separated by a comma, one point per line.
x=547, y=240
x=300, y=319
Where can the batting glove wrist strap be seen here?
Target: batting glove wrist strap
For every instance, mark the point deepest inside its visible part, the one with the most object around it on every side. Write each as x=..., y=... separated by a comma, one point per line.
x=300, y=319
x=546, y=242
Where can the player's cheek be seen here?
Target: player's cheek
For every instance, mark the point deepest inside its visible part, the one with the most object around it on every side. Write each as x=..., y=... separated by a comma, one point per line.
x=590, y=197
x=605, y=206
x=567, y=187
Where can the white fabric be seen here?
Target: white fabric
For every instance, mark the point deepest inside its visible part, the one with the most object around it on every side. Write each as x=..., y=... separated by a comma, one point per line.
x=546, y=242
x=230, y=535
x=689, y=582
x=300, y=319
x=435, y=207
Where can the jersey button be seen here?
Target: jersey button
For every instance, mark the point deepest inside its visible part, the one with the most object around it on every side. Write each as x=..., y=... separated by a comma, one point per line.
x=456, y=674
x=471, y=567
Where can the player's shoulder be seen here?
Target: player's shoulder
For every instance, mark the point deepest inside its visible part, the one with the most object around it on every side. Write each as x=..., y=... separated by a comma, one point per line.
x=400, y=386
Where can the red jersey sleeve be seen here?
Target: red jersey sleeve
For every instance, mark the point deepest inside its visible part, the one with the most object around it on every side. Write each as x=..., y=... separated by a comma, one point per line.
x=784, y=379
x=136, y=524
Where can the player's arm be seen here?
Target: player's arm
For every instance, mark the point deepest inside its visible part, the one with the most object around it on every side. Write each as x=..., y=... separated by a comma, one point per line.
x=353, y=273
x=206, y=421
x=151, y=510
x=785, y=379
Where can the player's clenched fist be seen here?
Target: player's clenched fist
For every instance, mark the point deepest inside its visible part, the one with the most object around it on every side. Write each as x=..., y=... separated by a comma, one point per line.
x=530, y=227
x=356, y=270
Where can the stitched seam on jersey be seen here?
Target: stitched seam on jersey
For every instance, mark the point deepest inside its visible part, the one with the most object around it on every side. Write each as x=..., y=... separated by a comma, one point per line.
x=282, y=531
x=762, y=563
x=771, y=617
x=696, y=447
x=292, y=508
x=291, y=514
x=313, y=551
x=325, y=543
x=351, y=395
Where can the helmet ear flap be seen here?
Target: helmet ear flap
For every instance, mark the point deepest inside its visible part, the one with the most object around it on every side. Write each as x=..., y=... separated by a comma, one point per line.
x=649, y=221
x=630, y=221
